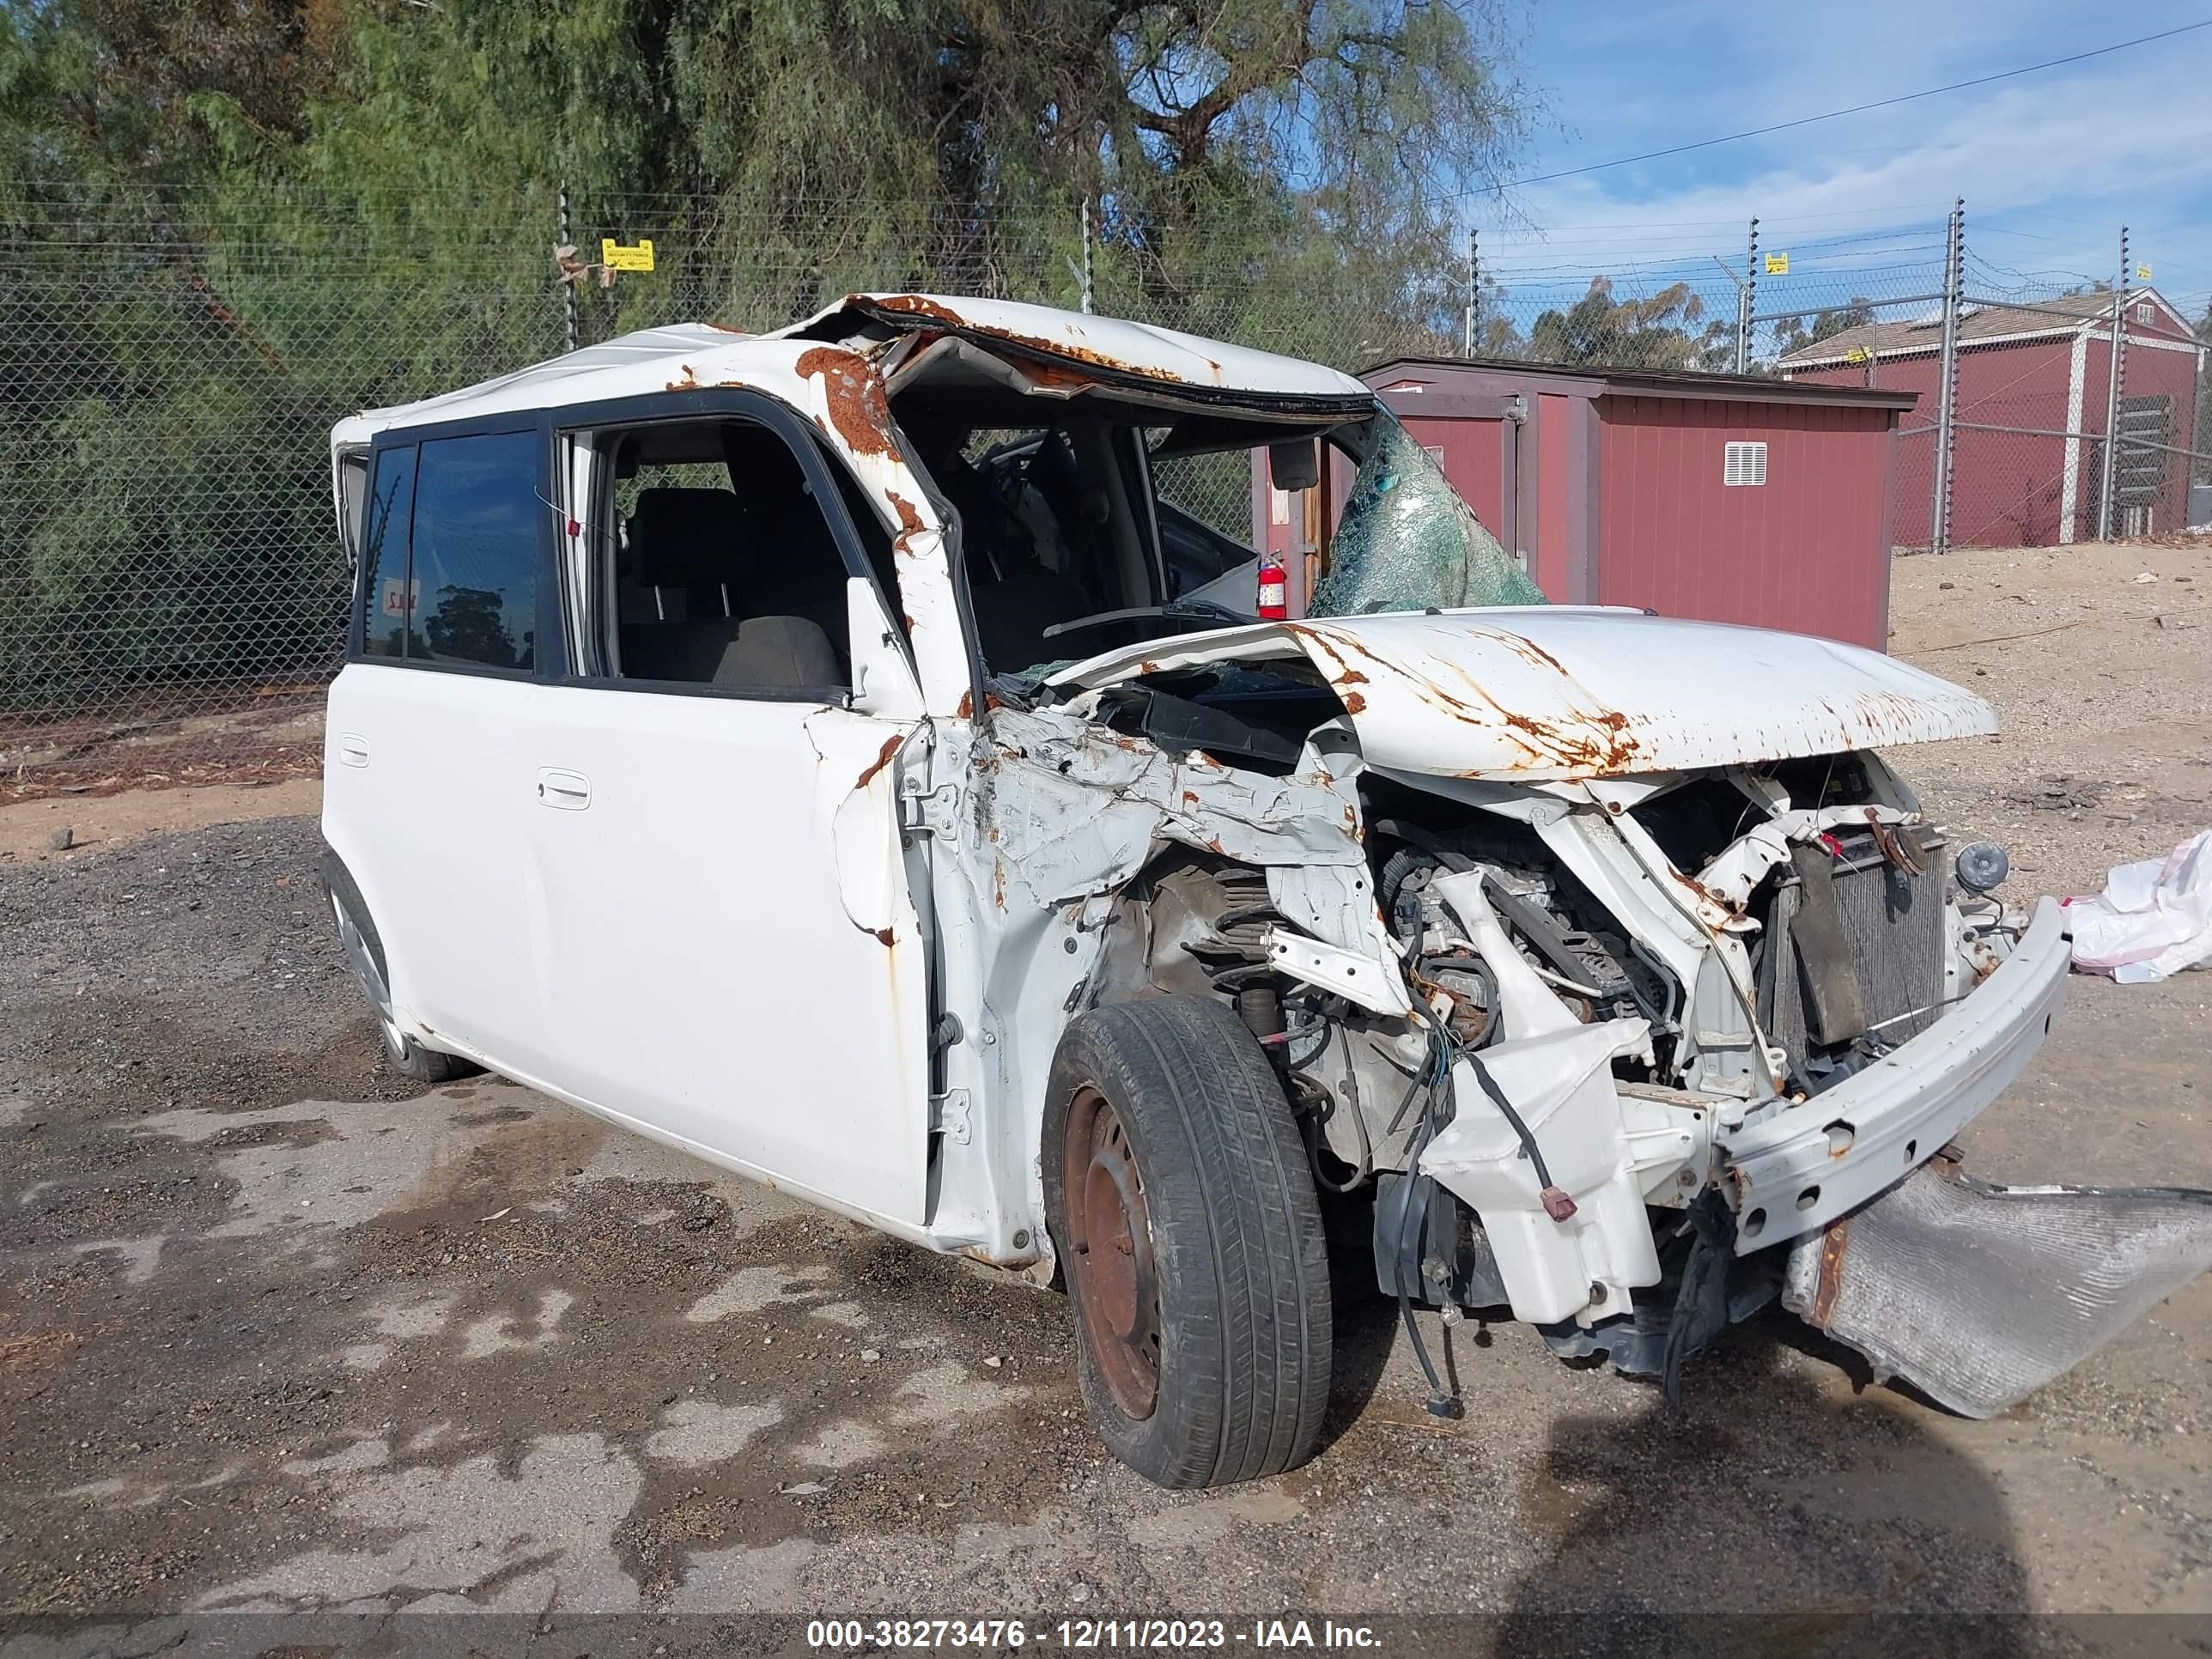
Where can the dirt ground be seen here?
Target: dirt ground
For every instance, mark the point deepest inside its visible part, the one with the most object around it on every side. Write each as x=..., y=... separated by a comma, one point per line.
x=280, y=1335
x=159, y=741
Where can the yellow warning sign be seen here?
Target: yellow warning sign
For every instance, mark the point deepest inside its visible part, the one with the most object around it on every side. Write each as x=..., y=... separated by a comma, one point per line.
x=1777, y=264
x=1858, y=355
x=616, y=257
x=2142, y=273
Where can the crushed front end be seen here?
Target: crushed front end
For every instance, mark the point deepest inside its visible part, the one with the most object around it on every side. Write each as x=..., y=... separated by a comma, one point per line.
x=1634, y=1048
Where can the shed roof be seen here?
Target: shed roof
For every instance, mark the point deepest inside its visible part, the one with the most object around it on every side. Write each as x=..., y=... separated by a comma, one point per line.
x=1598, y=381
x=2056, y=318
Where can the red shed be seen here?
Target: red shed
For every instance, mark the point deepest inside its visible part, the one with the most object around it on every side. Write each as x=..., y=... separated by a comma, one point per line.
x=2027, y=461
x=1730, y=498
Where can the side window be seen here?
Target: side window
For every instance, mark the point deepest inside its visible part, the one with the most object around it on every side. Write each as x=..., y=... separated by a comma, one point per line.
x=474, y=581
x=386, y=600
x=718, y=566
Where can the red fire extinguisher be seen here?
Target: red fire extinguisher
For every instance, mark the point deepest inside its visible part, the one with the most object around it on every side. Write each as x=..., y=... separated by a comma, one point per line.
x=1274, y=589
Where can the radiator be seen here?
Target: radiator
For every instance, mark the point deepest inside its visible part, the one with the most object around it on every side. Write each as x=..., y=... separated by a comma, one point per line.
x=1875, y=967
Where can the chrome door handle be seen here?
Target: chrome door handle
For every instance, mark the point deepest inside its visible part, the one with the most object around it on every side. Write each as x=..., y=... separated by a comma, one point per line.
x=353, y=749
x=571, y=792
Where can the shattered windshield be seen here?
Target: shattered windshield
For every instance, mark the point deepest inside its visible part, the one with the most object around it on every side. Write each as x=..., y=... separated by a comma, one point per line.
x=1407, y=542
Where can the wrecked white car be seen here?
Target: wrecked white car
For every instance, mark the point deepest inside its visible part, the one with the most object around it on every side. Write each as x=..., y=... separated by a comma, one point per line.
x=825, y=752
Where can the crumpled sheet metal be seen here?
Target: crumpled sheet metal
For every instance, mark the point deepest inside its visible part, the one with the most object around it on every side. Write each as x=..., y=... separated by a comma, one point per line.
x=1075, y=809
x=1978, y=1294
x=1407, y=541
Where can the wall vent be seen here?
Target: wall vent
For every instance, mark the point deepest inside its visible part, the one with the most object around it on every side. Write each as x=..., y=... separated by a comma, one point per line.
x=1744, y=464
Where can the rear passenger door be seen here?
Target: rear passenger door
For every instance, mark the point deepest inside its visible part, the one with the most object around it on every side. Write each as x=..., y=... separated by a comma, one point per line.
x=736, y=963
x=428, y=781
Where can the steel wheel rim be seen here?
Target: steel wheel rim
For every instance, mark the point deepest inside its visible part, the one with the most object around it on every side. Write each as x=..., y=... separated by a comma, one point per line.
x=1117, y=1286
x=368, y=975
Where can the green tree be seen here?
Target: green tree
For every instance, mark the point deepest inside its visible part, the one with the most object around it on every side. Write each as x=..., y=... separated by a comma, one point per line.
x=1653, y=332
x=146, y=94
x=1794, y=336
x=228, y=221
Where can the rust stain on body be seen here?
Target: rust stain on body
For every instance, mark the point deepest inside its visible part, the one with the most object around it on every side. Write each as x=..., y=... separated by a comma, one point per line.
x=858, y=409
x=1702, y=892
x=1613, y=752
x=1529, y=651
x=1832, y=1245
x=884, y=759
x=1056, y=376
x=921, y=305
x=1596, y=744
x=913, y=305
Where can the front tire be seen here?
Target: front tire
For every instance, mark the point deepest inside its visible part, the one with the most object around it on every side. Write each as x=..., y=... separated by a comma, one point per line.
x=1188, y=1226
x=364, y=952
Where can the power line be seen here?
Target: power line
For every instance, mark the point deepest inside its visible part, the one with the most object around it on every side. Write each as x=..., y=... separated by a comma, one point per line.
x=1856, y=109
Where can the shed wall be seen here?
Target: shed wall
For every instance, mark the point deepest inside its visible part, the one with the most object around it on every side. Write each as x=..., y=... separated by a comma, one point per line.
x=1474, y=461
x=1802, y=552
x=2009, y=489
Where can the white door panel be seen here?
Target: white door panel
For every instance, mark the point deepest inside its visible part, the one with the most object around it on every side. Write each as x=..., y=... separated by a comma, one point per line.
x=435, y=783
x=729, y=938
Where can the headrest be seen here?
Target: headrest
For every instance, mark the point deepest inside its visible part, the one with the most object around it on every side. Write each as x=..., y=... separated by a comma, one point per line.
x=684, y=537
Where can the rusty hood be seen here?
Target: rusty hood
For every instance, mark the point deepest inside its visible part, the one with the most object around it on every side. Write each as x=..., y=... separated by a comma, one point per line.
x=1559, y=692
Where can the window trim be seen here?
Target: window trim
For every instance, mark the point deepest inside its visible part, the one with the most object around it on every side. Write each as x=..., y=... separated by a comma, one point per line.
x=549, y=654
x=717, y=404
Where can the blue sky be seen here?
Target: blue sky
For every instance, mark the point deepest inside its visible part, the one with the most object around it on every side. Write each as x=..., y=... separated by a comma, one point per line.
x=2050, y=164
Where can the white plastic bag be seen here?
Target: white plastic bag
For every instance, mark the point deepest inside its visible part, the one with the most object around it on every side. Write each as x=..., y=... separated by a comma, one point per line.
x=2152, y=920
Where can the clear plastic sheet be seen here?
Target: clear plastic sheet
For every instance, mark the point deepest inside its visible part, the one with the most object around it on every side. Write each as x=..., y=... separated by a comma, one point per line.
x=1407, y=542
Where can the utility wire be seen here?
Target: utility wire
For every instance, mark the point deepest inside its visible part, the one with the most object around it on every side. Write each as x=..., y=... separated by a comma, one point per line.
x=1856, y=109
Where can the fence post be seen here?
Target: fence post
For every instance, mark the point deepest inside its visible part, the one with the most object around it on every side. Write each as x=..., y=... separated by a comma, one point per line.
x=1955, y=258
x=2108, y=511
x=1746, y=298
x=1474, y=292
x=1086, y=257
x=567, y=289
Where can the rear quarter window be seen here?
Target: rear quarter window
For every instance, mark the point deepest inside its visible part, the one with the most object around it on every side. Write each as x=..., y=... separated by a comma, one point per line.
x=385, y=597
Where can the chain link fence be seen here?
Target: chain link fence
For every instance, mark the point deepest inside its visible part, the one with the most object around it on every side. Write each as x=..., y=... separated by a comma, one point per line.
x=172, y=593
x=2021, y=378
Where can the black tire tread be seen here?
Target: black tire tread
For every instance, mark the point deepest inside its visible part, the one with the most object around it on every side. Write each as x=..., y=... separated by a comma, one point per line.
x=1226, y=1178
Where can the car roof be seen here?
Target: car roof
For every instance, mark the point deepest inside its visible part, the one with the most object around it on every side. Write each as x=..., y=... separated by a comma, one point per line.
x=685, y=355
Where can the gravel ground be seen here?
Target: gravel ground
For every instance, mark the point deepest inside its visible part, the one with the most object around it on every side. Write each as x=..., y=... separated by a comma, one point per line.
x=279, y=1335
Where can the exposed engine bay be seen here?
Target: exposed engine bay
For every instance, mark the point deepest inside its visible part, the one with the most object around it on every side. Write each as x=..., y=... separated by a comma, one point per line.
x=1624, y=1055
